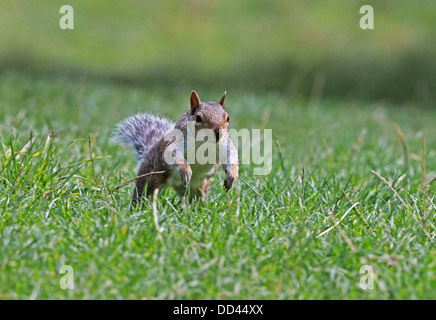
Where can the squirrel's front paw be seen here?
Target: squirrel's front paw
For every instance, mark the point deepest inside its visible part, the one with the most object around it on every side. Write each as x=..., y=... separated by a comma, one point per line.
x=231, y=177
x=186, y=174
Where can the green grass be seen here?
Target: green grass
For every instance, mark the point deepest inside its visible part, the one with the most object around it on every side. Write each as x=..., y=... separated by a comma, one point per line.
x=59, y=207
x=260, y=45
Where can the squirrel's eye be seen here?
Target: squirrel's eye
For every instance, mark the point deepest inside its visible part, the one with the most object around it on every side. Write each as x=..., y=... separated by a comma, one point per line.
x=228, y=118
x=198, y=119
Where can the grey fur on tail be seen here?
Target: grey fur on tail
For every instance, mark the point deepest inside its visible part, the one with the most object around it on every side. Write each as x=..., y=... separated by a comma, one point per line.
x=141, y=132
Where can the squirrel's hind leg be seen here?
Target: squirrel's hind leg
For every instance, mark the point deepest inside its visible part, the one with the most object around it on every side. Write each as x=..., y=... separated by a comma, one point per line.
x=151, y=182
x=138, y=191
x=136, y=197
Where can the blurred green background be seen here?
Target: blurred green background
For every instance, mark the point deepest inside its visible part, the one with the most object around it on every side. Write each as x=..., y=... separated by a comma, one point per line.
x=297, y=48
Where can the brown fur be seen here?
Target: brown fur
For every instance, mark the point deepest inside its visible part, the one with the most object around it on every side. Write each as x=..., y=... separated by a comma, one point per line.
x=213, y=117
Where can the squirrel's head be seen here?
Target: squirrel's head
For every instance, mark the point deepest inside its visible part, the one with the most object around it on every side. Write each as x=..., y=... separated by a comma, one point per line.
x=209, y=115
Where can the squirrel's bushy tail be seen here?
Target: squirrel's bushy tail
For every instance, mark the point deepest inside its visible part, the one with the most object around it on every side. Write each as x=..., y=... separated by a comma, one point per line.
x=141, y=132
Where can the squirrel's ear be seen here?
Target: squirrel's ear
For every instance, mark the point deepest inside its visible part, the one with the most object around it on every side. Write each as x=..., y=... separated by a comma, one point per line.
x=223, y=98
x=195, y=100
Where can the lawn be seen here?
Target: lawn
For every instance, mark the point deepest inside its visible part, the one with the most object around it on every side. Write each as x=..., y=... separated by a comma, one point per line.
x=61, y=204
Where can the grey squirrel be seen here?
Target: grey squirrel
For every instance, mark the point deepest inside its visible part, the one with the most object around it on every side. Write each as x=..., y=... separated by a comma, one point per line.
x=162, y=146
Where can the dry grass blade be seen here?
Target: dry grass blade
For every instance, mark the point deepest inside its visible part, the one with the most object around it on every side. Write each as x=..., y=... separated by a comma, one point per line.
x=342, y=218
x=424, y=184
x=341, y=231
x=402, y=201
x=92, y=162
x=359, y=139
x=133, y=179
x=155, y=217
x=16, y=153
x=358, y=213
x=390, y=187
x=23, y=159
x=403, y=143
